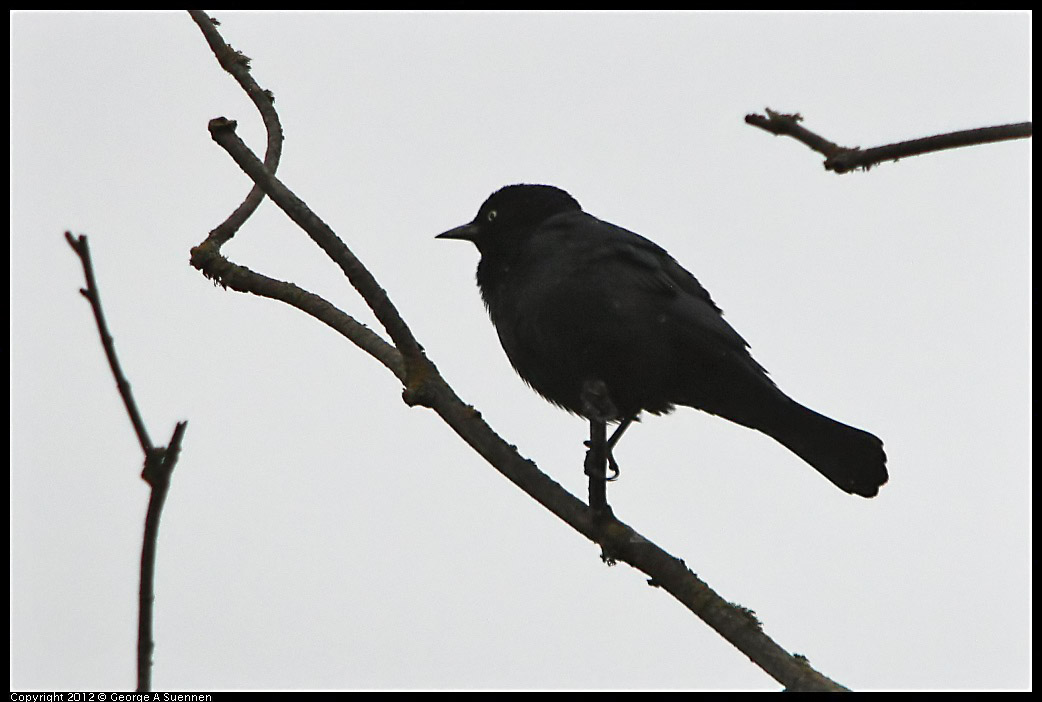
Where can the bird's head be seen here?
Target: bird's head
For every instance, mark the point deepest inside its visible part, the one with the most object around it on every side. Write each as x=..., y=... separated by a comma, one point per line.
x=510, y=212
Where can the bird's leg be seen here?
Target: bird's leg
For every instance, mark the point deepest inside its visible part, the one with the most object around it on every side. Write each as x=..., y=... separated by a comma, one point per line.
x=613, y=465
x=598, y=407
x=594, y=465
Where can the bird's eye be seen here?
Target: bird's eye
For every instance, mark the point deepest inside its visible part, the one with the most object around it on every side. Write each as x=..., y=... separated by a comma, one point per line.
x=491, y=215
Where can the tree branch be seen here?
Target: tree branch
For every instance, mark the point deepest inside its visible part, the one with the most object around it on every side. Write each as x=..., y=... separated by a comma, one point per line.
x=842, y=159
x=159, y=465
x=237, y=64
x=207, y=256
x=223, y=132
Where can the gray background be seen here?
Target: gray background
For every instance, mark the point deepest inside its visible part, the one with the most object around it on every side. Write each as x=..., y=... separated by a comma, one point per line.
x=321, y=534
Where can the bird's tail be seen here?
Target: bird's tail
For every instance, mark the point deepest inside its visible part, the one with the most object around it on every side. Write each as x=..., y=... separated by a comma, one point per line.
x=852, y=459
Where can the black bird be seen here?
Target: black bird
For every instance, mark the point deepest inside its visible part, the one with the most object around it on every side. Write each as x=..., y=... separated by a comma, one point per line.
x=577, y=300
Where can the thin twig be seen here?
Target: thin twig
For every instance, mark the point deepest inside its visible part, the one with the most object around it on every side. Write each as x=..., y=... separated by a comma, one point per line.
x=237, y=64
x=242, y=279
x=80, y=246
x=159, y=464
x=843, y=159
x=856, y=158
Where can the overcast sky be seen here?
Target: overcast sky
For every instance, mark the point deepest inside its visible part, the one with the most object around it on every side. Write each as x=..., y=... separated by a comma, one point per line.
x=321, y=534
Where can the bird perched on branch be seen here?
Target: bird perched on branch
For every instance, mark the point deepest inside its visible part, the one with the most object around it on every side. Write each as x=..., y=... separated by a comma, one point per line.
x=578, y=301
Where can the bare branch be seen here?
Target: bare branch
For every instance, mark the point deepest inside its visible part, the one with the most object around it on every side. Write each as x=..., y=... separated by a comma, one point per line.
x=223, y=132
x=238, y=65
x=159, y=465
x=242, y=279
x=842, y=159
x=619, y=542
x=207, y=256
x=79, y=245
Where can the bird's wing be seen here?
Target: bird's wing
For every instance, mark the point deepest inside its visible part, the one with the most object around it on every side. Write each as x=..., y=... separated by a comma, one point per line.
x=635, y=261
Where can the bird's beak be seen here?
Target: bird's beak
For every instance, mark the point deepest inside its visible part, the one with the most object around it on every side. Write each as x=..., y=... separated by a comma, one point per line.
x=466, y=232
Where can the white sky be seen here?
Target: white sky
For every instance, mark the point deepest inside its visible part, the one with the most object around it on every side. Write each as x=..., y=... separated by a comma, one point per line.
x=321, y=534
